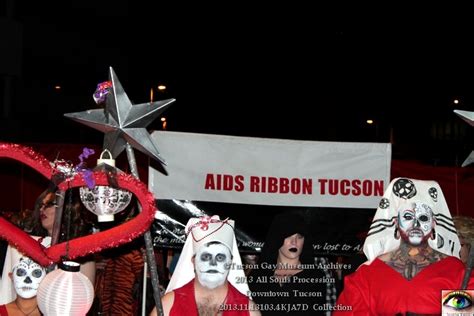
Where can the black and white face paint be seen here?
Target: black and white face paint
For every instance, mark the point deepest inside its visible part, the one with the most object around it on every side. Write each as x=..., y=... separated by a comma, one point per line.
x=212, y=264
x=27, y=276
x=292, y=246
x=415, y=223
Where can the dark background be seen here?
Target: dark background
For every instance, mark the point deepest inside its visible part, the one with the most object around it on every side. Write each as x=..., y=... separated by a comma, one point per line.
x=276, y=70
x=286, y=70
x=280, y=70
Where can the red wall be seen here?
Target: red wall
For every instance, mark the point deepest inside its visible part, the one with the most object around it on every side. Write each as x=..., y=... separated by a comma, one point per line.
x=457, y=183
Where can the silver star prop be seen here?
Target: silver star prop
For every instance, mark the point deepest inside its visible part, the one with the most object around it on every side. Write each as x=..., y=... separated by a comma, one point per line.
x=467, y=116
x=122, y=122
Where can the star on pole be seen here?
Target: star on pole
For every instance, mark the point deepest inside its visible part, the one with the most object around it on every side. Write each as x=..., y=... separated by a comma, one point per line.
x=467, y=116
x=123, y=122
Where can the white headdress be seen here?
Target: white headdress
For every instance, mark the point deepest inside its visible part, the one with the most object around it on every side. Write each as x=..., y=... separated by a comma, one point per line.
x=381, y=236
x=12, y=257
x=201, y=231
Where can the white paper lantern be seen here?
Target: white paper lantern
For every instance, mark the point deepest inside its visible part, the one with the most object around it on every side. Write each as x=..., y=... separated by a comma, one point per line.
x=65, y=291
x=105, y=201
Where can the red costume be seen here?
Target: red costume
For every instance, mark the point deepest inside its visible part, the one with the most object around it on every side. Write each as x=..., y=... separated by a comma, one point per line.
x=378, y=289
x=3, y=310
x=185, y=302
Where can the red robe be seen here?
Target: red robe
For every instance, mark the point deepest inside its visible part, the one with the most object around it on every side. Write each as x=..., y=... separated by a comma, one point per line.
x=3, y=310
x=377, y=289
x=185, y=303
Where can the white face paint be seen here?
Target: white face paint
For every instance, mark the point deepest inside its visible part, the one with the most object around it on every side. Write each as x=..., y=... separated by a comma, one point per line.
x=212, y=264
x=292, y=246
x=415, y=223
x=27, y=276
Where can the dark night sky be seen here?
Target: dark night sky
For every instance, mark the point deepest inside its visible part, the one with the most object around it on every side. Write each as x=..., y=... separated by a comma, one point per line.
x=277, y=71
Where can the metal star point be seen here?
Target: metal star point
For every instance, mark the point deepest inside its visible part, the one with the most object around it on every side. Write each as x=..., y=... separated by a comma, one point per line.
x=123, y=122
x=468, y=117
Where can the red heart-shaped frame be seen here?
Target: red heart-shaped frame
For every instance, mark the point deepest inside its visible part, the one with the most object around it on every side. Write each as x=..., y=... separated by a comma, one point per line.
x=85, y=245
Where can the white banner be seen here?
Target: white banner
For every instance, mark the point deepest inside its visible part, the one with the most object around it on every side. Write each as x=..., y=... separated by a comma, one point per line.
x=263, y=171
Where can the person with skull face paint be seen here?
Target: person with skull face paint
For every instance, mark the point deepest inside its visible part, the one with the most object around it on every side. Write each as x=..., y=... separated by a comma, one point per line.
x=26, y=276
x=8, y=292
x=208, y=278
x=39, y=224
x=412, y=250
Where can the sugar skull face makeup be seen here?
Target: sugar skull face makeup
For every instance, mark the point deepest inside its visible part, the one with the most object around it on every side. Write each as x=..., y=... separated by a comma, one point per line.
x=212, y=264
x=27, y=276
x=415, y=223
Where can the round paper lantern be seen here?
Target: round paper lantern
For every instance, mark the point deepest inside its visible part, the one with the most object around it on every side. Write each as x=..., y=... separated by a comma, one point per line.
x=105, y=201
x=65, y=291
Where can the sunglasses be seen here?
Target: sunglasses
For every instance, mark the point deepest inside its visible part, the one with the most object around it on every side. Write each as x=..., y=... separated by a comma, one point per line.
x=48, y=204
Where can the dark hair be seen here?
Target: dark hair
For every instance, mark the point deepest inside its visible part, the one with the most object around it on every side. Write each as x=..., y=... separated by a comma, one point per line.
x=283, y=226
x=79, y=218
x=32, y=224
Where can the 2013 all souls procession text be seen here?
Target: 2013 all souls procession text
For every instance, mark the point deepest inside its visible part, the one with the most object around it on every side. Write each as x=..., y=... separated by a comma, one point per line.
x=294, y=185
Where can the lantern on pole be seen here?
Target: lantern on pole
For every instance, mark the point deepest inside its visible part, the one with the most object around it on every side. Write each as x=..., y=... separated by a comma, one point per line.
x=65, y=291
x=105, y=201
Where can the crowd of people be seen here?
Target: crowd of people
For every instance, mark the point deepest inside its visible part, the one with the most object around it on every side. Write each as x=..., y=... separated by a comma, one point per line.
x=413, y=252
x=115, y=293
